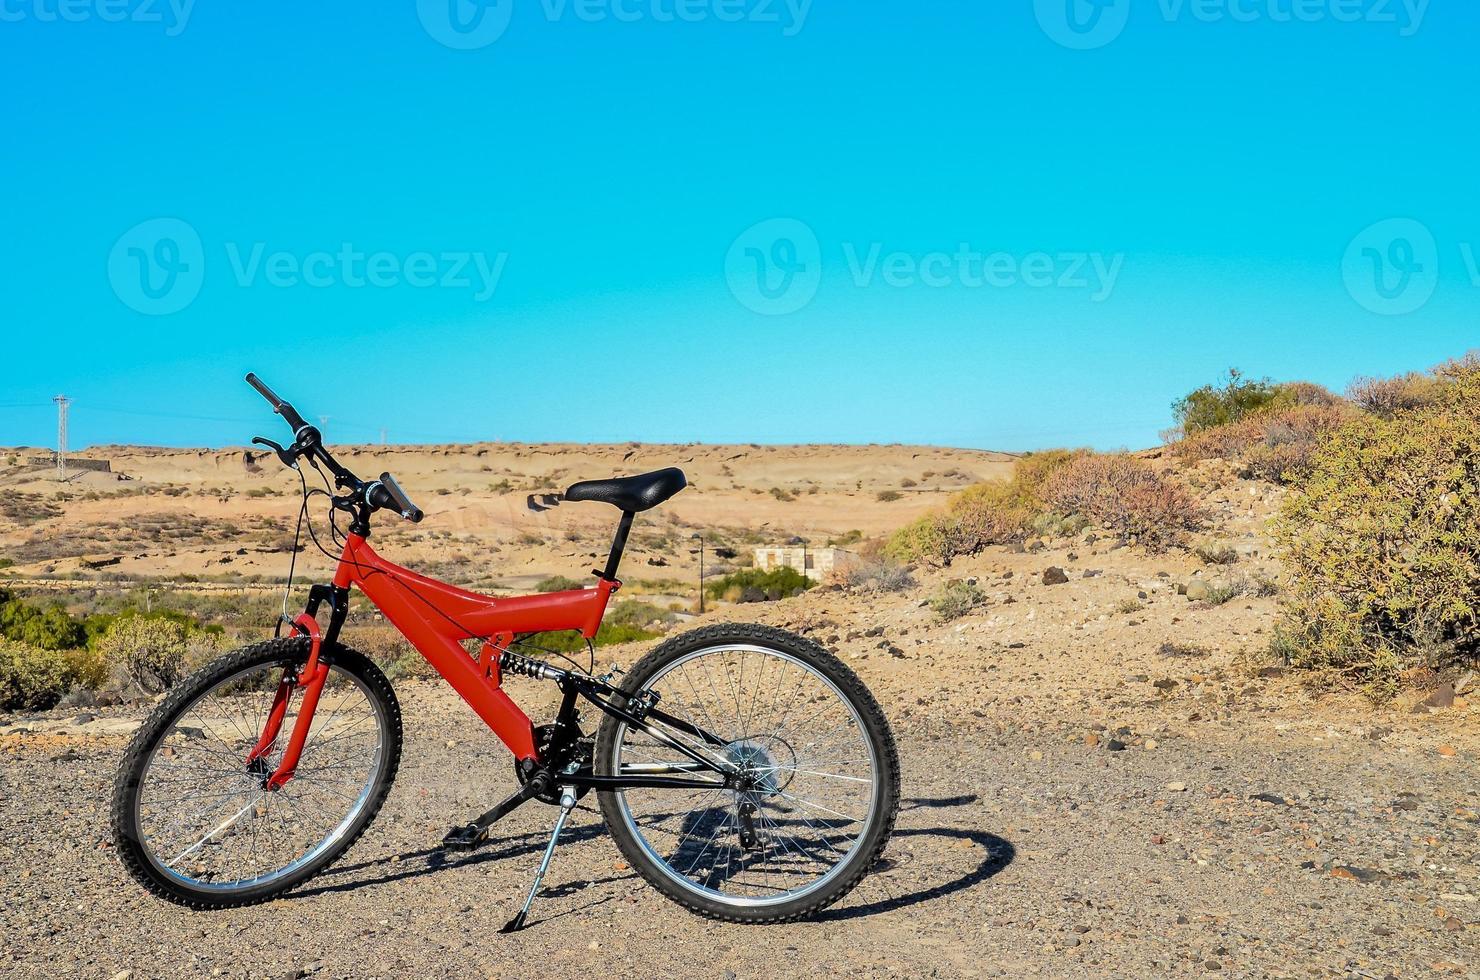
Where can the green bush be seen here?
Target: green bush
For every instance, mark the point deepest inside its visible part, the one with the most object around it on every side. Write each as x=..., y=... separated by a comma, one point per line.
x=49, y=627
x=629, y=621
x=956, y=599
x=1236, y=399
x=558, y=583
x=756, y=585
x=1381, y=540
x=31, y=679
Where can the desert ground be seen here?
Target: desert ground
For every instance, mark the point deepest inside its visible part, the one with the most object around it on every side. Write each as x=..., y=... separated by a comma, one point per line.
x=1103, y=773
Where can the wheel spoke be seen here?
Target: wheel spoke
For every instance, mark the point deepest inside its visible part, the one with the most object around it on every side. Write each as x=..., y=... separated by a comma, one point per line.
x=806, y=762
x=205, y=818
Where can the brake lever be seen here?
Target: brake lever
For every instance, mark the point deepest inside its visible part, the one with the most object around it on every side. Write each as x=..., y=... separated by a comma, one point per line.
x=287, y=457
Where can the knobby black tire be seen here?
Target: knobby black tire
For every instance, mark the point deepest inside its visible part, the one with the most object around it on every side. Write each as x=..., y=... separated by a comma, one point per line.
x=885, y=794
x=295, y=650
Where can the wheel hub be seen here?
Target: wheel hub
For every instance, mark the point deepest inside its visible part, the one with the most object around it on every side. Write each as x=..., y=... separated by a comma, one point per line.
x=767, y=763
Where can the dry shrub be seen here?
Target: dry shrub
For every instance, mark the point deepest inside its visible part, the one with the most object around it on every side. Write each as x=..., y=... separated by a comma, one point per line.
x=1386, y=397
x=1382, y=542
x=981, y=515
x=1128, y=497
x=1308, y=393
x=1274, y=446
x=154, y=653
x=877, y=576
x=1284, y=450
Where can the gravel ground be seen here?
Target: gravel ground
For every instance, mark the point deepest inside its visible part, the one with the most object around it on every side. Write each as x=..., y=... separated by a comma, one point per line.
x=1025, y=847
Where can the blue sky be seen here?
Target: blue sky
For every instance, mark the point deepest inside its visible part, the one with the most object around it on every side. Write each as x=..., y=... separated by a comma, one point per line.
x=722, y=220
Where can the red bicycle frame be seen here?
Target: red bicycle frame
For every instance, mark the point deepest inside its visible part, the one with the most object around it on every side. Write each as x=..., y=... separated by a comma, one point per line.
x=437, y=617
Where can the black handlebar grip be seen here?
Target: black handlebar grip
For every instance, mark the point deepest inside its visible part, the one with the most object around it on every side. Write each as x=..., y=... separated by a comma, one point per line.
x=398, y=500
x=288, y=412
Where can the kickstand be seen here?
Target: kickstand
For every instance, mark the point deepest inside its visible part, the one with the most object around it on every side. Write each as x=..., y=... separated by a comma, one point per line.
x=567, y=803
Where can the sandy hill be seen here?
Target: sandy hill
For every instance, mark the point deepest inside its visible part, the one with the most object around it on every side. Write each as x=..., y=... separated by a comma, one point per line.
x=494, y=516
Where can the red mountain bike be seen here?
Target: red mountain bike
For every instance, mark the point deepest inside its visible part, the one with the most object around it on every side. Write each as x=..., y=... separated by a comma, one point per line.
x=743, y=771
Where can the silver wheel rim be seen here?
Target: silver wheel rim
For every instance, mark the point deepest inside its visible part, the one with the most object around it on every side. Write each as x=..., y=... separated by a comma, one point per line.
x=198, y=809
x=801, y=840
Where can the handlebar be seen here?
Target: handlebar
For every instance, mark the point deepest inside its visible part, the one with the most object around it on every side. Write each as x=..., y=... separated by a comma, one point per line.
x=288, y=412
x=386, y=493
x=382, y=494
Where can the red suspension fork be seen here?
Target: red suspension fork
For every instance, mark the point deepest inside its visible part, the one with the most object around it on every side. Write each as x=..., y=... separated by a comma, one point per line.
x=311, y=680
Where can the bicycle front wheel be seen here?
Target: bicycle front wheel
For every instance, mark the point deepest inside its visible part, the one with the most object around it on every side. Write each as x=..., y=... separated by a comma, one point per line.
x=193, y=818
x=820, y=765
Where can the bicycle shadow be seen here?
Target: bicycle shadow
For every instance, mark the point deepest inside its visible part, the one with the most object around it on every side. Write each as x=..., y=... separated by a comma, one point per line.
x=434, y=860
x=999, y=853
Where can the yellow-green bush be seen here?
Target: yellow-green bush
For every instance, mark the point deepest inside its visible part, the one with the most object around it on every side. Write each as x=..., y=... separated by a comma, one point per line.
x=1381, y=539
x=153, y=652
x=34, y=679
x=1239, y=398
x=1000, y=512
x=956, y=599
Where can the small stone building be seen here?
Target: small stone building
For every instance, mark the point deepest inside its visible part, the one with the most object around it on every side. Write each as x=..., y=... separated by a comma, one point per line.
x=819, y=562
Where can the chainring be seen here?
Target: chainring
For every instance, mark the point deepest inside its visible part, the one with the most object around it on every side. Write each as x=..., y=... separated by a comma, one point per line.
x=580, y=752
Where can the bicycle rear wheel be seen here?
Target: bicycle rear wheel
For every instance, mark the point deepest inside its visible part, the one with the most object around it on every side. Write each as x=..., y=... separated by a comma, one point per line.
x=818, y=755
x=193, y=821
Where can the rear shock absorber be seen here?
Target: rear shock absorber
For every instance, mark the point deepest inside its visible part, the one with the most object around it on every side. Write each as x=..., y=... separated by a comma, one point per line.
x=516, y=663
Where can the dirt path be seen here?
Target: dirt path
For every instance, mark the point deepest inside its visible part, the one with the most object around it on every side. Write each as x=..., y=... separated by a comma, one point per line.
x=1018, y=853
x=1099, y=780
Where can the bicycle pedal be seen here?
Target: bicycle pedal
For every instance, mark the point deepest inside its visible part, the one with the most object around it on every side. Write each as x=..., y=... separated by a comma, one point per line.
x=465, y=838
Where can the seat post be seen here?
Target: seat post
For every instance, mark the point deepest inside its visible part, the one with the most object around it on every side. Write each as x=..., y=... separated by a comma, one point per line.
x=619, y=544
